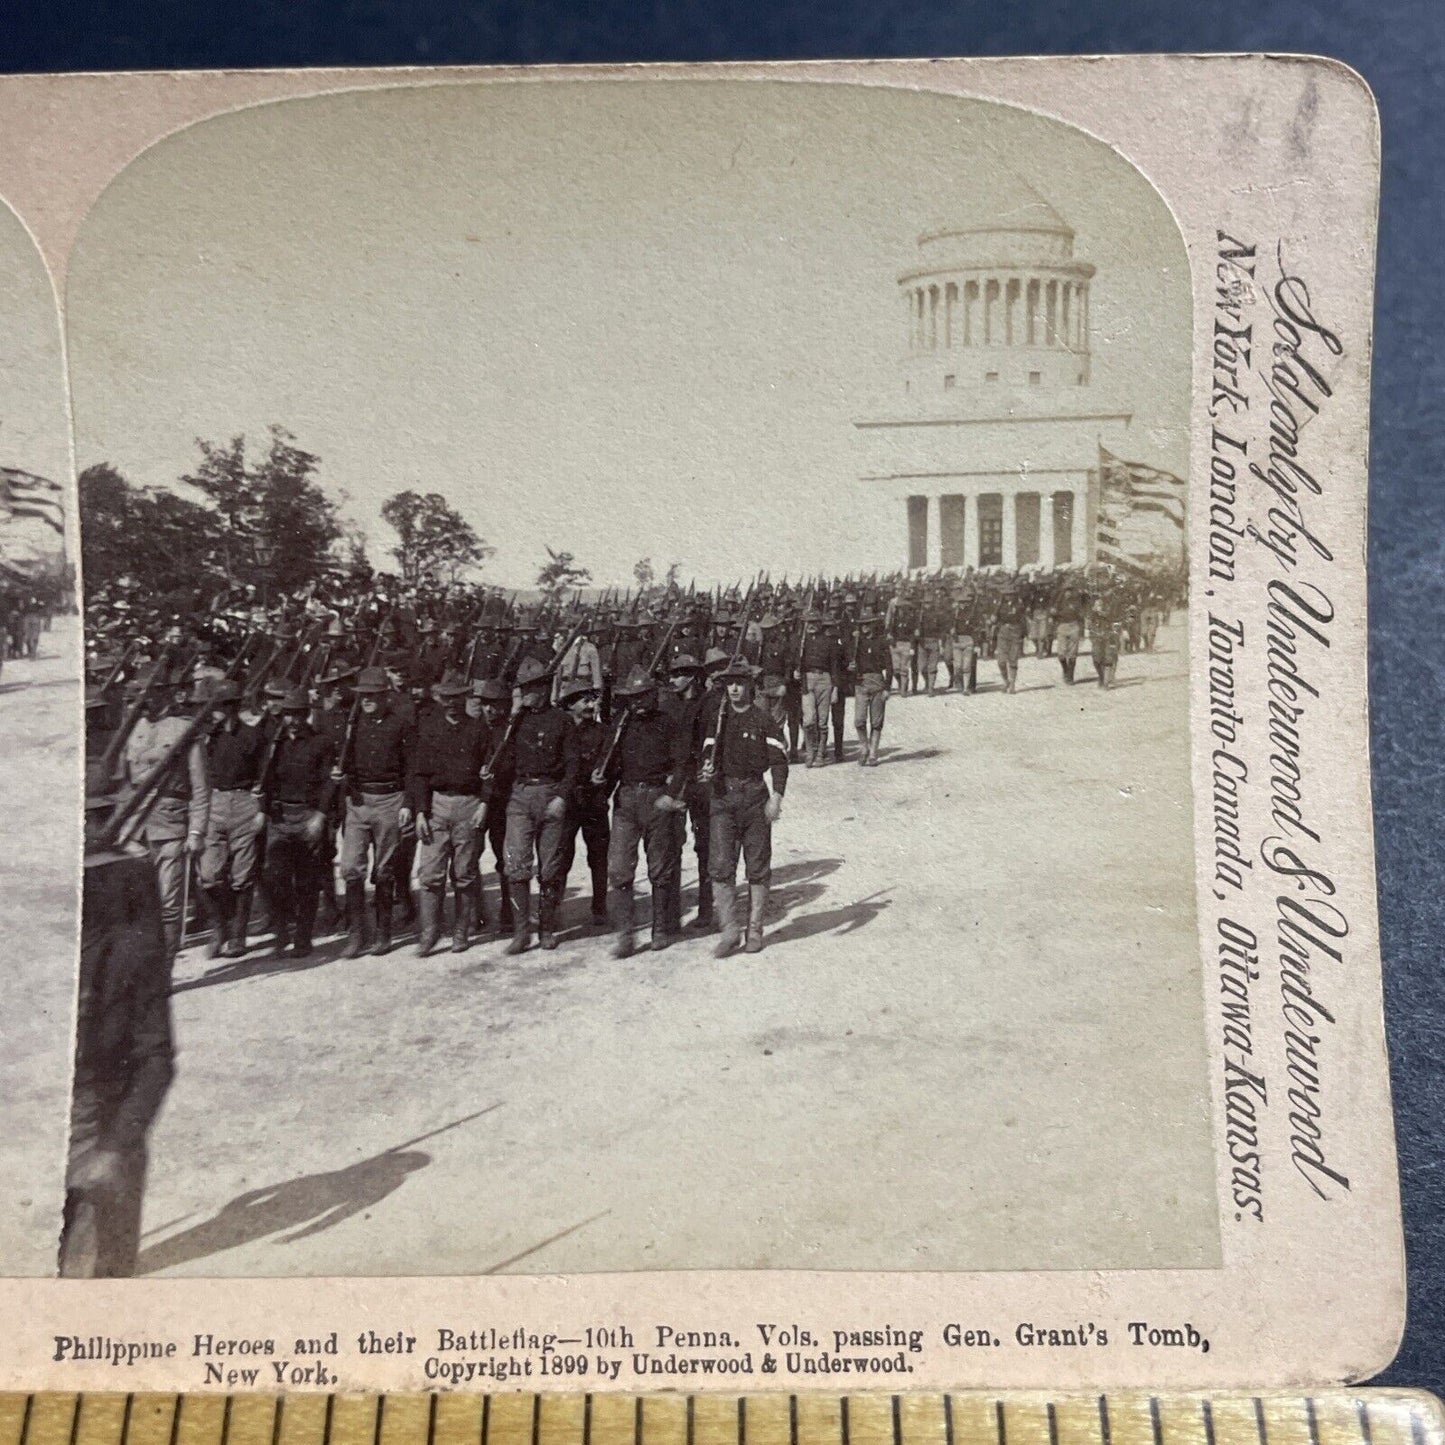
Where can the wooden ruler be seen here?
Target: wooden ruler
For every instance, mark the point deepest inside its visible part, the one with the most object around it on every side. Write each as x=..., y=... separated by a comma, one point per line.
x=1331, y=1417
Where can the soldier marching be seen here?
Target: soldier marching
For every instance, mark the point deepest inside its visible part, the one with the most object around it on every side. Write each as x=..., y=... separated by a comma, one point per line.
x=394, y=737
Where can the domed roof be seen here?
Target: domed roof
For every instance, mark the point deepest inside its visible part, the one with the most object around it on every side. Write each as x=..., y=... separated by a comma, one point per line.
x=1004, y=202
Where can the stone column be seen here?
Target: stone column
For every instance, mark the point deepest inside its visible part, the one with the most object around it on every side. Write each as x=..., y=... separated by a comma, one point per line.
x=935, y=534
x=1082, y=550
x=970, y=530
x=1010, y=530
x=1046, y=530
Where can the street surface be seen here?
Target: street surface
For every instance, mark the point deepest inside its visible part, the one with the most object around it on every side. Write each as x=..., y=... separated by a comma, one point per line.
x=40, y=729
x=975, y=1040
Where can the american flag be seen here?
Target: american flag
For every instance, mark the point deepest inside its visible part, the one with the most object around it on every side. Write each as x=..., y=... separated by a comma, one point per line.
x=25, y=495
x=1141, y=512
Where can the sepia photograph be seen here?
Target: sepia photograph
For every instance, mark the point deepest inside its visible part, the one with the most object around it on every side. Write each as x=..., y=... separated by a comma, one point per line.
x=636, y=657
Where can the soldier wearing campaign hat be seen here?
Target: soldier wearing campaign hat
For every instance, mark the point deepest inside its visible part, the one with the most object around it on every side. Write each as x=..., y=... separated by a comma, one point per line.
x=446, y=789
x=235, y=822
x=872, y=662
x=376, y=772
x=587, y=803
x=686, y=702
x=493, y=699
x=296, y=796
x=744, y=751
x=647, y=766
x=538, y=768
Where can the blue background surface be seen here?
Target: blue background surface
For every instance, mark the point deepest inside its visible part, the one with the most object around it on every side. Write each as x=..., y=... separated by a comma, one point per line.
x=1397, y=45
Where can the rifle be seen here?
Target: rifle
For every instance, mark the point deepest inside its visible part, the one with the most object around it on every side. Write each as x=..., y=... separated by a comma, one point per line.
x=121, y=666
x=118, y=830
x=722, y=704
x=122, y=736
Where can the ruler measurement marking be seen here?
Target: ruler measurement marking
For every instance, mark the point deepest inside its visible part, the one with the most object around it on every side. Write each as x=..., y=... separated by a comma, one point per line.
x=999, y=1423
x=742, y=1420
x=1053, y=1424
x=1154, y=1424
x=1362, y=1413
x=1208, y=1423
x=792, y=1420
x=75, y=1419
x=586, y=1419
x=1259, y=1421
x=1106, y=1435
x=1312, y=1420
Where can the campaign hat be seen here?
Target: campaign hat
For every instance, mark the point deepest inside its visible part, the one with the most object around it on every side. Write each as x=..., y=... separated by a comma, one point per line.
x=373, y=680
x=714, y=659
x=342, y=672
x=295, y=699
x=684, y=662
x=574, y=688
x=453, y=685
x=635, y=684
x=737, y=668
x=531, y=673
x=491, y=689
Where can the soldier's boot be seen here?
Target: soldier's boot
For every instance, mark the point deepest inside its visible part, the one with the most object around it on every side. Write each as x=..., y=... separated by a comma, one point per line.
x=814, y=747
x=216, y=901
x=519, y=895
x=383, y=902
x=727, y=912
x=235, y=945
x=478, y=916
x=838, y=745
x=706, y=919
x=757, y=906
x=171, y=932
x=464, y=900
x=862, y=745
x=662, y=933
x=873, y=748
x=599, y=896
x=305, y=924
x=624, y=906
x=505, y=922
x=672, y=914
x=431, y=921
x=1109, y=671
x=355, y=909
x=549, y=902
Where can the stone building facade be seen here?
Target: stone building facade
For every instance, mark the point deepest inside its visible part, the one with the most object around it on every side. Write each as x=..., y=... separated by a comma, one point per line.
x=989, y=452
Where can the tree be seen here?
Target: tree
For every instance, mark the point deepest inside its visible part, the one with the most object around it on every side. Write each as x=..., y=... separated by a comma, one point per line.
x=160, y=540
x=279, y=524
x=437, y=543
x=643, y=572
x=561, y=574
x=674, y=571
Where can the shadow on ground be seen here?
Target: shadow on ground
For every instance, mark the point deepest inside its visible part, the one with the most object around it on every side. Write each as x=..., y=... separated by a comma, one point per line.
x=300, y=1207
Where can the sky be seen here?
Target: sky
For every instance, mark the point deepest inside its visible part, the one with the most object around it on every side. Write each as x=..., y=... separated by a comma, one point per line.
x=619, y=319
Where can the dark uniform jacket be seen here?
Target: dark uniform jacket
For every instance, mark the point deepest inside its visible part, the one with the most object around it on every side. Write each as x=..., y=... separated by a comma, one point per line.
x=538, y=750
x=234, y=756
x=448, y=757
x=651, y=749
x=300, y=770
x=742, y=746
x=381, y=748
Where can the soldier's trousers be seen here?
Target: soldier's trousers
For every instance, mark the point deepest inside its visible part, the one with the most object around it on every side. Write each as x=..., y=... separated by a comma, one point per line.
x=963, y=663
x=739, y=825
x=587, y=816
x=699, y=810
x=636, y=819
x=233, y=840
x=903, y=665
x=166, y=843
x=373, y=828
x=1104, y=646
x=870, y=703
x=534, y=841
x=452, y=852
x=297, y=866
x=817, y=699
x=1010, y=643
x=101, y=1234
x=774, y=699
x=930, y=652
x=1066, y=640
